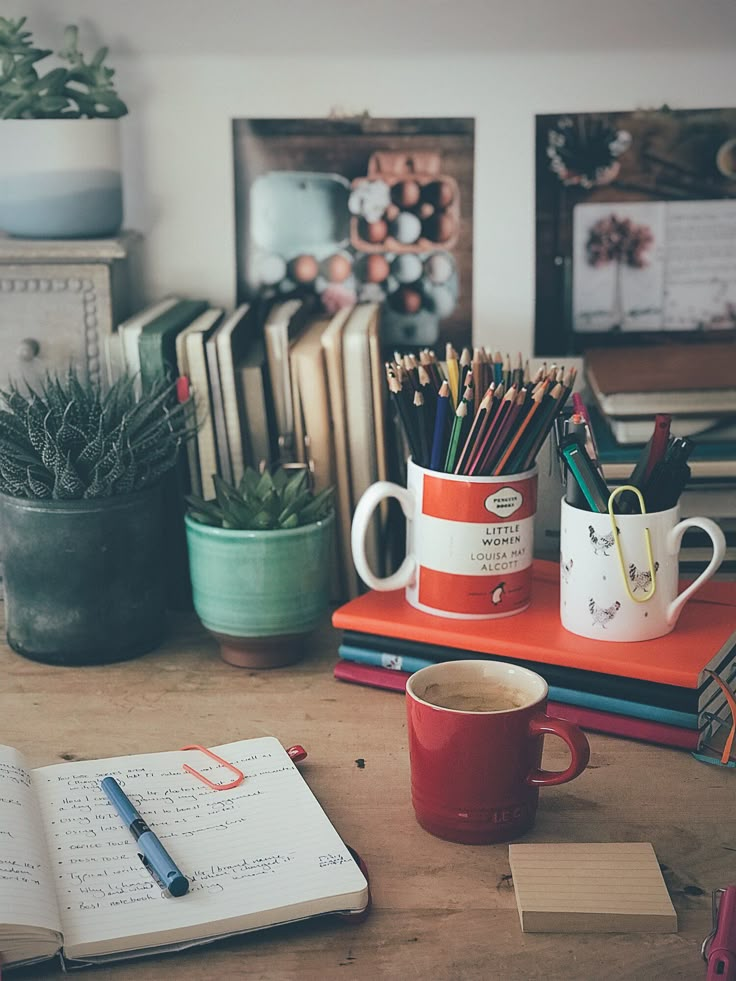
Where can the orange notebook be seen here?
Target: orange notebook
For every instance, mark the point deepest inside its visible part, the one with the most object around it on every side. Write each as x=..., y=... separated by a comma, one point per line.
x=702, y=639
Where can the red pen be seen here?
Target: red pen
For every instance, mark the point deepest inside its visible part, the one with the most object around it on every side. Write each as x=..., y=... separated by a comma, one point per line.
x=719, y=947
x=658, y=443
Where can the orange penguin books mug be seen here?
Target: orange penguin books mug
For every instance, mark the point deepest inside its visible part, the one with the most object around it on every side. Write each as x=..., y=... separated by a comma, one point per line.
x=469, y=542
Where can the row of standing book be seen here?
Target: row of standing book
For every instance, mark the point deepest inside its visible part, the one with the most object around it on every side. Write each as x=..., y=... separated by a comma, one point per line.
x=279, y=381
x=659, y=691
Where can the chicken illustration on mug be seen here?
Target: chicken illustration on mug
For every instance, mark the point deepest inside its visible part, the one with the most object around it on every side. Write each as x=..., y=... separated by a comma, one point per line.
x=619, y=574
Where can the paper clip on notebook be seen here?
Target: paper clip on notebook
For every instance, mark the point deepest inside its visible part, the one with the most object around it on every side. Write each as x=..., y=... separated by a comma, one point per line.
x=239, y=775
x=619, y=552
x=296, y=754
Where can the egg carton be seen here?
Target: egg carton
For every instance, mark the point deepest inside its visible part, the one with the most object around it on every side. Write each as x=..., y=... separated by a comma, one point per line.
x=404, y=204
x=299, y=229
x=299, y=240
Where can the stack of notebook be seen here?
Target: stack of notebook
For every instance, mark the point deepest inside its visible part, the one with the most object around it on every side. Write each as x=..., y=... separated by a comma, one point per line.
x=693, y=383
x=661, y=691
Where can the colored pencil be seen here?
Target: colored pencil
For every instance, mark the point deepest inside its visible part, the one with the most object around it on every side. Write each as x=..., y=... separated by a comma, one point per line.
x=475, y=428
x=453, y=374
x=441, y=428
x=475, y=464
x=500, y=427
x=514, y=450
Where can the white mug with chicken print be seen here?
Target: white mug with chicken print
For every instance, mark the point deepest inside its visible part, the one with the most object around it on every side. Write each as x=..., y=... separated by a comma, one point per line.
x=623, y=591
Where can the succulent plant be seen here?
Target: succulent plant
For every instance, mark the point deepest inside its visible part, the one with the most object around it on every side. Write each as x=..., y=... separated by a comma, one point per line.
x=84, y=88
x=271, y=499
x=68, y=441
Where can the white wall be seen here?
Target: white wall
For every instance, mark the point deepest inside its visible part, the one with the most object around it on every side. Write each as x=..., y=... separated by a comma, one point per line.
x=177, y=138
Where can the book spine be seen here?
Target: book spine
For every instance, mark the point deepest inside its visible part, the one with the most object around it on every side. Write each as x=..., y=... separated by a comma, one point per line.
x=372, y=677
x=591, y=719
x=568, y=696
x=686, y=700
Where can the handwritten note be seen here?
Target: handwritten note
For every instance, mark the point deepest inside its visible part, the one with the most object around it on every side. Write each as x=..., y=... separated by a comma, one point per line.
x=26, y=885
x=261, y=847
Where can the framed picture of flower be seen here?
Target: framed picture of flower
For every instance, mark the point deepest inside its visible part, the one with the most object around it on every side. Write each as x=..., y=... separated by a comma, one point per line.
x=635, y=228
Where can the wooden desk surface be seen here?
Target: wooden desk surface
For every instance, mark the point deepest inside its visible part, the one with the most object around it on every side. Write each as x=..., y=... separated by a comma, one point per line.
x=441, y=911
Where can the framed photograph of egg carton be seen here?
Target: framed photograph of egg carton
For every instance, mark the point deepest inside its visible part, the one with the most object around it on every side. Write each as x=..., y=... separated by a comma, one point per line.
x=360, y=209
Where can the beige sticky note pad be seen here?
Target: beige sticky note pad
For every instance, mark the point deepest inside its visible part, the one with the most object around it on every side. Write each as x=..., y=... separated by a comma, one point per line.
x=591, y=888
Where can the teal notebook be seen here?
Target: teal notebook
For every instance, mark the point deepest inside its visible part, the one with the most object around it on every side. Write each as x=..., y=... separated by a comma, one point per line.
x=157, y=341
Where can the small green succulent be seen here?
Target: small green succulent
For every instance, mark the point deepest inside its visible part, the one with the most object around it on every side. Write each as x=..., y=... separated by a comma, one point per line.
x=67, y=440
x=277, y=499
x=85, y=88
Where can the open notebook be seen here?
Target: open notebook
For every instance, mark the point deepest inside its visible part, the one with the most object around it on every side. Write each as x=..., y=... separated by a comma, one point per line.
x=71, y=882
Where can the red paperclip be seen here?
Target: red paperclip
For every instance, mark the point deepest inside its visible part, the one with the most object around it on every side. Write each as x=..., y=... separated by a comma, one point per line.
x=200, y=776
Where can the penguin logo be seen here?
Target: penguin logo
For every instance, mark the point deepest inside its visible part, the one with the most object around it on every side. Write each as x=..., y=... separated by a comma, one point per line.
x=497, y=593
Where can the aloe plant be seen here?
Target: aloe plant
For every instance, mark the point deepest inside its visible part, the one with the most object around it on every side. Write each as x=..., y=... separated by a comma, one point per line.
x=67, y=440
x=271, y=499
x=84, y=88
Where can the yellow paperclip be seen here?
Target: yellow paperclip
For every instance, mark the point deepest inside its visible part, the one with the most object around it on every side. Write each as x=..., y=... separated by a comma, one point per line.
x=647, y=539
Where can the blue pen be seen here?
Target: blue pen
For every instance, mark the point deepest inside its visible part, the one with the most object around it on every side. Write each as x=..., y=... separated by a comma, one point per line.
x=154, y=856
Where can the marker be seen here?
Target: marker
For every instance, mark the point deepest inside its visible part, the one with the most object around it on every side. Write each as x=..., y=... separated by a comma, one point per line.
x=589, y=480
x=154, y=856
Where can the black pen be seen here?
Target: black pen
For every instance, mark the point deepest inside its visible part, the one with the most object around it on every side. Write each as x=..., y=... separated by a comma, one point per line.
x=668, y=477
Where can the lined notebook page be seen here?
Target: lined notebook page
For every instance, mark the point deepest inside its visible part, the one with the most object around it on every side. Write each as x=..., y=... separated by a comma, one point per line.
x=262, y=853
x=590, y=888
x=27, y=895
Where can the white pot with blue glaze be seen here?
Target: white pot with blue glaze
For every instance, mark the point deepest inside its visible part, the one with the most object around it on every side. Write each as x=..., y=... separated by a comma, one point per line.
x=60, y=178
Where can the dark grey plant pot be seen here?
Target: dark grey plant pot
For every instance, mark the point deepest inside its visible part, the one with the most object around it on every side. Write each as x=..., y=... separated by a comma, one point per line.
x=84, y=580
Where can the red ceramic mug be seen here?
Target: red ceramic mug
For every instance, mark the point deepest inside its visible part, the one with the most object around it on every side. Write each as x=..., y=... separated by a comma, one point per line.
x=476, y=730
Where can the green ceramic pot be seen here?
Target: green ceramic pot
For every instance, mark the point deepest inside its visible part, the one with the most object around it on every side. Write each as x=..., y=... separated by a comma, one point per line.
x=260, y=592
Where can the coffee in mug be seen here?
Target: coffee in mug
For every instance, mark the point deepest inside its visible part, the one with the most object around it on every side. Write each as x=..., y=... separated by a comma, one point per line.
x=464, y=696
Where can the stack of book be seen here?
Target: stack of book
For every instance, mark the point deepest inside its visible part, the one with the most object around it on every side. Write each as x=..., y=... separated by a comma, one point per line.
x=278, y=381
x=694, y=384
x=661, y=691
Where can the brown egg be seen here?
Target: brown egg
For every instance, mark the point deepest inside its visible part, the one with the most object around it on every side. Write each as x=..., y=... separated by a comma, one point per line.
x=409, y=300
x=439, y=193
x=406, y=194
x=304, y=268
x=338, y=268
x=440, y=228
x=376, y=231
x=376, y=268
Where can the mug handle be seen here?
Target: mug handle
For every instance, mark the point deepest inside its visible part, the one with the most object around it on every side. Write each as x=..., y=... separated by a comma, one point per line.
x=674, y=538
x=367, y=504
x=576, y=741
